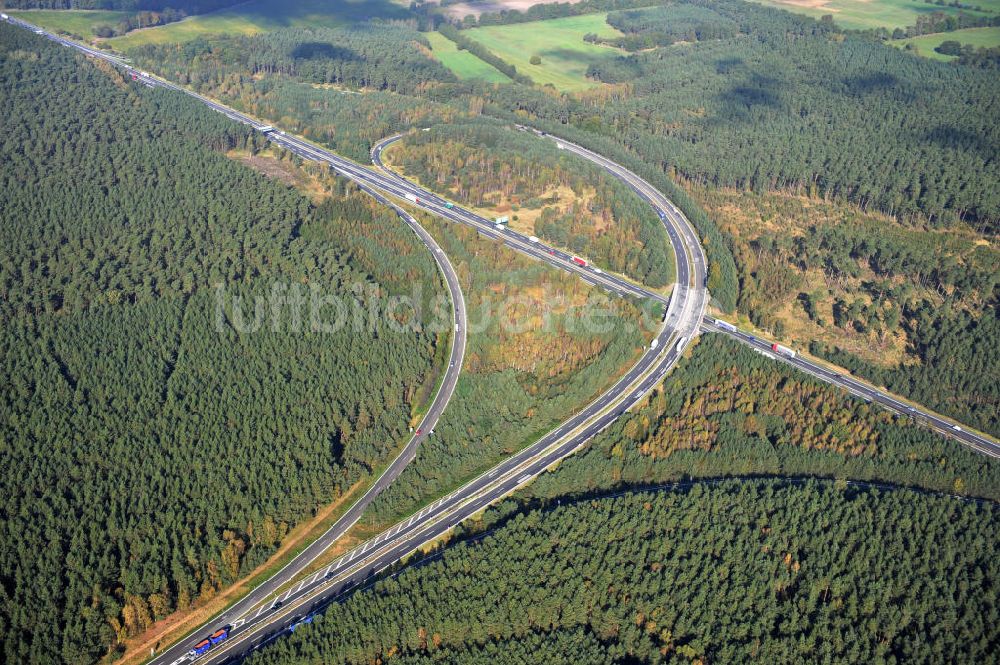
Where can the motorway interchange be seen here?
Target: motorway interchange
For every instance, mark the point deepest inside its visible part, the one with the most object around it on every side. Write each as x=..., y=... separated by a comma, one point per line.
x=275, y=606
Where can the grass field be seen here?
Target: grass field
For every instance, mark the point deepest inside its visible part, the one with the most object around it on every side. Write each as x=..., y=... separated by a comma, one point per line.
x=865, y=14
x=558, y=42
x=262, y=15
x=977, y=37
x=78, y=22
x=462, y=63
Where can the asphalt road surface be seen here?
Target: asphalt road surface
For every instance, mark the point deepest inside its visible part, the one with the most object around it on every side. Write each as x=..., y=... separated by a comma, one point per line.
x=178, y=652
x=253, y=623
x=976, y=441
x=248, y=618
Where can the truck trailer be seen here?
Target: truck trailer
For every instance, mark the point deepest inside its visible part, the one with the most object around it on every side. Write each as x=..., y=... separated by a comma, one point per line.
x=783, y=350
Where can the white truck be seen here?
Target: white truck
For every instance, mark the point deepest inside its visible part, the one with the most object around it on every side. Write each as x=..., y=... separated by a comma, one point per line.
x=725, y=326
x=4, y=17
x=655, y=343
x=412, y=198
x=783, y=350
x=532, y=239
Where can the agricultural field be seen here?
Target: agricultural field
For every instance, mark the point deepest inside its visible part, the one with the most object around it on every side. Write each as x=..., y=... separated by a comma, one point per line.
x=477, y=7
x=558, y=42
x=262, y=15
x=976, y=37
x=462, y=63
x=867, y=14
x=79, y=22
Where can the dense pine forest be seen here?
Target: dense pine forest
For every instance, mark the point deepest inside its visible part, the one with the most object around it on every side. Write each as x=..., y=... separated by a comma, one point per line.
x=526, y=180
x=155, y=448
x=736, y=572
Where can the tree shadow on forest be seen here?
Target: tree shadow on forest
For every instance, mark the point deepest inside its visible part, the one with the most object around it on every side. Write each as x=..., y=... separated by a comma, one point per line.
x=324, y=51
x=579, y=56
x=958, y=138
x=875, y=83
x=728, y=65
x=737, y=103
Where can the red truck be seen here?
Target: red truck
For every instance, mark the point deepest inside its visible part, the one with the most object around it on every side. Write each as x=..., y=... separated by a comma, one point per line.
x=578, y=261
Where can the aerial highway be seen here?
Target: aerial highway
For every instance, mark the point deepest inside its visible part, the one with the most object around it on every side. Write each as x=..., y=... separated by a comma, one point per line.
x=249, y=629
x=275, y=606
x=972, y=439
x=239, y=626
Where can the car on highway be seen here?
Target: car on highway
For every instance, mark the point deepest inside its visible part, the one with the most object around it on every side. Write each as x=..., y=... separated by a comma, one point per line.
x=419, y=431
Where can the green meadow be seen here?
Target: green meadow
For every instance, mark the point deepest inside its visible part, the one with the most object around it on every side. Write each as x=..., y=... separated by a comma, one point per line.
x=462, y=63
x=977, y=37
x=558, y=42
x=263, y=15
x=866, y=14
x=79, y=22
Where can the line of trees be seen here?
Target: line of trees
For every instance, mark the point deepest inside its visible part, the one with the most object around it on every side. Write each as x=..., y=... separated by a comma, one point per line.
x=483, y=53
